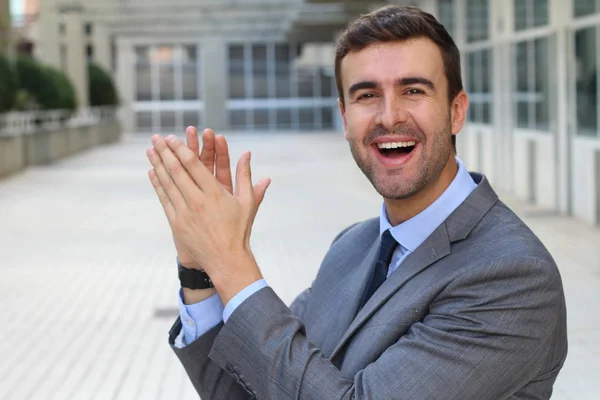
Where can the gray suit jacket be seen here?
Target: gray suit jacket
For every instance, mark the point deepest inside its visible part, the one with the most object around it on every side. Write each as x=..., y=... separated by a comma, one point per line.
x=476, y=312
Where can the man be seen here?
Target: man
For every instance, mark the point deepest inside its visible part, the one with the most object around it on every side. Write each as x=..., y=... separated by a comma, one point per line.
x=447, y=295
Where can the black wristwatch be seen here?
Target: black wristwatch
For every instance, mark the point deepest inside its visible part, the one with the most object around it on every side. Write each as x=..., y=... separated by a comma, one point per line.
x=193, y=278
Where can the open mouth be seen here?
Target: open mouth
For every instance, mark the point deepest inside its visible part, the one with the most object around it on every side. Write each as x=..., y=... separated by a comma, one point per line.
x=396, y=149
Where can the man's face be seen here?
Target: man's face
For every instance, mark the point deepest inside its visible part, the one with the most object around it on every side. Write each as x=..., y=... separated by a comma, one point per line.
x=397, y=118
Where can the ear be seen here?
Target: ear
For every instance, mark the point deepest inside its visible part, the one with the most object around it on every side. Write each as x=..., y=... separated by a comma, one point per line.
x=343, y=114
x=458, y=111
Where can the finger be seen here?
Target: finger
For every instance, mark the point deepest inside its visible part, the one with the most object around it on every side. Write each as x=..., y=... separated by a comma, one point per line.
x=175, y=196
x=207, y=156
x=243, y=178
x=173, y=165
x=188, y=172
x=162, y=195
x=191, y=137
x=223, y=163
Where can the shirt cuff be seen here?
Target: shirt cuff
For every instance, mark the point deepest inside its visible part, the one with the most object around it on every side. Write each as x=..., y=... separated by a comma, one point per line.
x=239, y=298
x=199, y=318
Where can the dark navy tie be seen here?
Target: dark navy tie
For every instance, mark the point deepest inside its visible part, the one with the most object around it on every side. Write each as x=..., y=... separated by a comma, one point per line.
x=386, y=250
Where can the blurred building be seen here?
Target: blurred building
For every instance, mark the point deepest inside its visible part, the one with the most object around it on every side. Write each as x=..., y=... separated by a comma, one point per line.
x=530, y=67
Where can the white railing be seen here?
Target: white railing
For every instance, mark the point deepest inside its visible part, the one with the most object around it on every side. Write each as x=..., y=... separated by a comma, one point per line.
x=18, y=123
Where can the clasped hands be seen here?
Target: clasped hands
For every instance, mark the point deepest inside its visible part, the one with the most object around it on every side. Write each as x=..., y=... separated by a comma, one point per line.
x=211, y=221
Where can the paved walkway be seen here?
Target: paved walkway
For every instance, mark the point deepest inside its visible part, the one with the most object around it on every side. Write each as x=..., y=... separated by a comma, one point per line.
x=88, y=283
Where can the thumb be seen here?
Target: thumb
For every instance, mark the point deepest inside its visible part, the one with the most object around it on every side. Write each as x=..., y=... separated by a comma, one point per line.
x=259, y=191
x=259, y=194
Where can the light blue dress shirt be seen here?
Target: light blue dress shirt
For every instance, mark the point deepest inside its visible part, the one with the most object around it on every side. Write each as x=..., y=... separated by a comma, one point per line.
x=199, y=318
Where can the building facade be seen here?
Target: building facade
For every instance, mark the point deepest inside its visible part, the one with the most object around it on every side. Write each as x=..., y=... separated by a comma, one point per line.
x=529, y=66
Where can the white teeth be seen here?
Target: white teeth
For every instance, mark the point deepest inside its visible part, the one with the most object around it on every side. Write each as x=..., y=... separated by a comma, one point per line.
x=395, y=145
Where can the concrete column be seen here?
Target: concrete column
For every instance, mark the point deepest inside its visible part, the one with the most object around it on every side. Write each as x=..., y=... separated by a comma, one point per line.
x=213, y=59
x=429, y=6
x=48, y=41
x=101, y=44
x=501, y=21
x=563, y=54
x=76, y=60
x=5, y=25
x=125, y=82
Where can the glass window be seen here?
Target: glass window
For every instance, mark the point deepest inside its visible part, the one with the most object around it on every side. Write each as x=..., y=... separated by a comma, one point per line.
x=282, y=71
x=261, y=119
x=326, y=83
x=541, y=14
x=271, y=69
x=166, y=80
x=237, y=119
x=586, y=48
x=585, y=7
x=237, y=81
x=307, y=118
x=164, y=58
x=259, y=71
x=479, y=85
x=306, y=83
x=144, y=121
x=89, y=52
x=190, y=118
x=283, y=118
x=168, y=121
x=530, y=14
x=327, y=117
x=520, y=14
x=477, y=20
x=531, y=96
x=143, y=74
x=446, y=15
x=189, y=71
x=522, y=85
x=541, y=84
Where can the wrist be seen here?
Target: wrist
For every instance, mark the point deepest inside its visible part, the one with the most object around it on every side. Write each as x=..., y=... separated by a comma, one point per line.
x=188, y=262
x=241, y=272
x=193, y=296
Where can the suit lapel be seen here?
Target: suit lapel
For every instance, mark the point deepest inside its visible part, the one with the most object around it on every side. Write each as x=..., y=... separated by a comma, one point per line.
x=437, y=246
x=433, y=249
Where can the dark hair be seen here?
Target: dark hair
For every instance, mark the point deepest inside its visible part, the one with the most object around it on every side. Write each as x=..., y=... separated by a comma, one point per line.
x=398, y=23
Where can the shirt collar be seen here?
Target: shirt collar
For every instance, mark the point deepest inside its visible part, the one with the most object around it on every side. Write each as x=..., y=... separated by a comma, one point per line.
x=413, y=232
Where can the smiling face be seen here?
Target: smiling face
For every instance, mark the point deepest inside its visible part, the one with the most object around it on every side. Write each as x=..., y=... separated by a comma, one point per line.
x=397, y=117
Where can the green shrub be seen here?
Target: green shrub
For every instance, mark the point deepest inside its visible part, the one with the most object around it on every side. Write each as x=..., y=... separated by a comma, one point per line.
x=102, y=90
x=8, y=85
x=65, y=95
x=46, y=88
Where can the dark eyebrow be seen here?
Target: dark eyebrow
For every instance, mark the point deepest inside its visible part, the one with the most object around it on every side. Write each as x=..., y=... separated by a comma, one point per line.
x=362, y=85
x=415, y=80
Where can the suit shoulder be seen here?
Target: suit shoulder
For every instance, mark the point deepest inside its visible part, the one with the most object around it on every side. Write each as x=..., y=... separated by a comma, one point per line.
x=503, y=233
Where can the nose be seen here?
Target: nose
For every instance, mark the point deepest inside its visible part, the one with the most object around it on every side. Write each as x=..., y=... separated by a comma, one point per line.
x=392, y=112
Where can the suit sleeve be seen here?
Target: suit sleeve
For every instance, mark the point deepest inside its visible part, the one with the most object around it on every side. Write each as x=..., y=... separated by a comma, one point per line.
x=213, y=381
x=484, y=338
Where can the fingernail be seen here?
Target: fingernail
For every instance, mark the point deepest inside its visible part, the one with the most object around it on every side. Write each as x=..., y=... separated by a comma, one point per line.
x=150, y=153
x=155, y=138
x=171, y=138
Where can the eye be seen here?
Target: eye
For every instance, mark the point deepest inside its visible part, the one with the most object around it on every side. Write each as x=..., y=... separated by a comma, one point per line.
x=366, y=96
x=415, y=91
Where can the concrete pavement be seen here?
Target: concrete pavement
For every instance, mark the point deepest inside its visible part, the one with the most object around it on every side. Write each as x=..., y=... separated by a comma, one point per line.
x=88, y=282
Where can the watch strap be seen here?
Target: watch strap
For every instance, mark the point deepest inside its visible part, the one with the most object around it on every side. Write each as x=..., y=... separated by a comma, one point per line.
x=193, y=278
